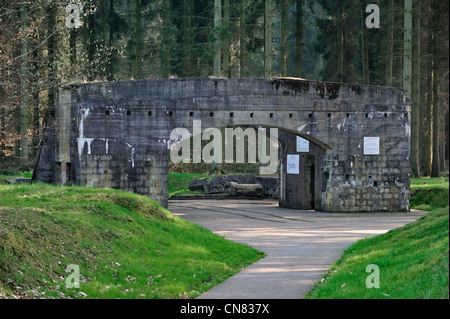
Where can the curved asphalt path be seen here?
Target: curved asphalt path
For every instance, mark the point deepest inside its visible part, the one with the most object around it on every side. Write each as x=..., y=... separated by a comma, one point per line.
x=300, y=245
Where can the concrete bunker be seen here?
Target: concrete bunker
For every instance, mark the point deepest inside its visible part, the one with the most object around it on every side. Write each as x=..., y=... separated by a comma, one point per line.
x=301, y=189
x=115, y=134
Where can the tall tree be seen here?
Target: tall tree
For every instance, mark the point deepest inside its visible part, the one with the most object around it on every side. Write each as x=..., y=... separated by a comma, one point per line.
x=435, y=165
x=428, y=114
x=187, y=66
x=364, y=46
x=226, y=35
x=166, y=40
x=90, y=41
x=51, y=52
x=299, y=38
x=340, y=52
x=73, y=34
x=390, y=44
x=113, y=25
x=283, y=51
x=242, y=38
x=336, y=40
x=23, y=76
x=415, y=111
x=407, y=66
x=268, y=39
x=217, y=49
x=135, y=46
x=407, y=49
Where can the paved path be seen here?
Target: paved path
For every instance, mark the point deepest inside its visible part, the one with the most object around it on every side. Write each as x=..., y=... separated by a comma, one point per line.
x=300, y=245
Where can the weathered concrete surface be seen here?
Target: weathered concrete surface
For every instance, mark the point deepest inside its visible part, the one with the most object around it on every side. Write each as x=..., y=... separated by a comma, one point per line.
x=300, y=245
x=269, y=185
x=18, y=180
x=116, y=134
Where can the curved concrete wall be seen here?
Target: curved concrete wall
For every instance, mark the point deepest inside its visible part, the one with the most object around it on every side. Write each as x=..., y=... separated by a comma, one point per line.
x=115, y=134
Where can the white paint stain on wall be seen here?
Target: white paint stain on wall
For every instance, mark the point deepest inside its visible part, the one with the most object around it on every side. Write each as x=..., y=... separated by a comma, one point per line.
x=82, y=140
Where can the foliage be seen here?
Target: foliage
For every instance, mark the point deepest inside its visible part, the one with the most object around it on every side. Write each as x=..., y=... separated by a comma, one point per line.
x=123, y=40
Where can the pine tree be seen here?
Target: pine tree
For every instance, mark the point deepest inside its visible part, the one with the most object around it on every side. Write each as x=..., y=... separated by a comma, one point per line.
x=242, y=38
x=135, y=44
x=390, y=44
x=23, y=151
x=268, y=39
x=283, y=49
x=299, y=39
x=415, y=112
x=217, y=48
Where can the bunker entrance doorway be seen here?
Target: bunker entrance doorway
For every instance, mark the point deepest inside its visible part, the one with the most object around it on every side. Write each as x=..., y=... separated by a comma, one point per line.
x=297, y=187
x=302, y=176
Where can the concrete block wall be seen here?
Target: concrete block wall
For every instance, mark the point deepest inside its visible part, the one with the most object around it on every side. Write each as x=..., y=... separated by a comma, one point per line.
x=119, y=133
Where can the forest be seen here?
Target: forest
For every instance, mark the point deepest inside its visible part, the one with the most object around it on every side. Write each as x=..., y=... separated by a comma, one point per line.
x=48, y=44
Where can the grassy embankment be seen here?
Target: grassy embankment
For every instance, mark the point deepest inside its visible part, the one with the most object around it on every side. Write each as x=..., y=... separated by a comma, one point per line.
x=125, y=245
x=128, y=247
x=413, y=260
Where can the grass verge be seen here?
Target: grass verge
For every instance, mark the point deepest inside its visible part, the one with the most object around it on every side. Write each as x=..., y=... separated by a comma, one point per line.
x=413, y=260
x=429, y=193
x=178, y=183
x=125, y=245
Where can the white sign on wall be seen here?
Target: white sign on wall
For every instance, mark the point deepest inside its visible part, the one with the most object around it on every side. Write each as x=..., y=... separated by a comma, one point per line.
x=302, y=145
x=371, y=146
x=293, y=164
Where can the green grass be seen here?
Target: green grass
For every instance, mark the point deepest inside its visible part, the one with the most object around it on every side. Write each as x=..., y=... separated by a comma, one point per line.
x=413, y=260
x=126, y=246
x=429, y=193
x=178, y=183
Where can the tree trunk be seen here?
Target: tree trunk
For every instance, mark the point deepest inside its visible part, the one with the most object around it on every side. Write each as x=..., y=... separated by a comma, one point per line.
x=104, y=35
x=226, y=39
x=365, y=46
x=268, y=39
x=435, y=168
x=91, y=30
x=390, y=44
x=35, y=125
x=340, y=58
x=136, y=40
x=299, y=39
x=51, y=45
x=407, y=49
x=283, y=53
x=428, y=118
x=24, y=100
x=217, y=24
x=242, y=39
x=442, y=143
x=111, y=60
x=2, y=131
x=415, y=111
x=187, y=67
x=166, y=36
x=73, y=51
